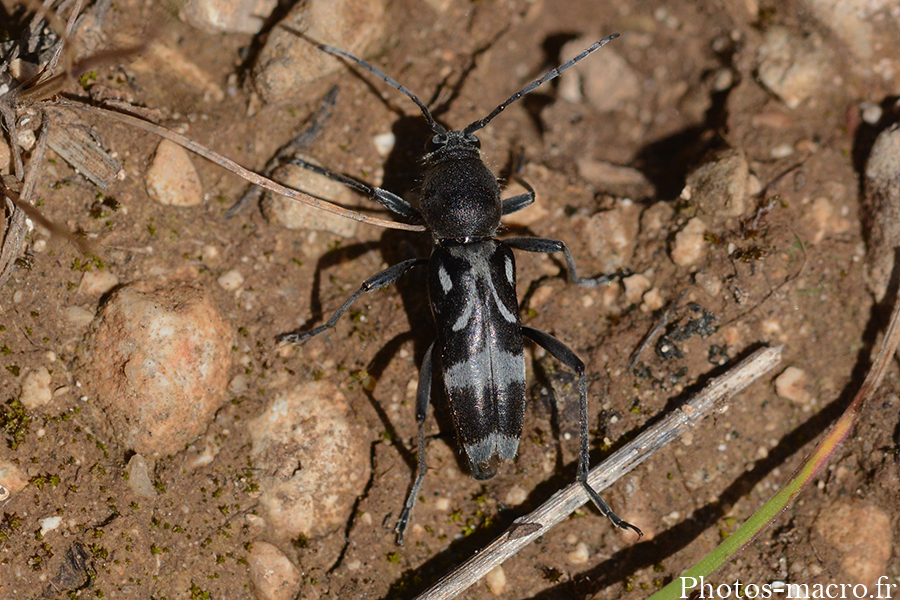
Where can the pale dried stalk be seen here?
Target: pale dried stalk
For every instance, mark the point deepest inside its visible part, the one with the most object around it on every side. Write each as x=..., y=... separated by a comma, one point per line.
x=240, y=171
x=566, y=501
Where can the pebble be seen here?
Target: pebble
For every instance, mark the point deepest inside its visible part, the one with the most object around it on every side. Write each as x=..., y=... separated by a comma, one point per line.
x=607, y=84
x=12, y=479
x=612, y=235
x=36, y=390
x=826, y=219
x=228, y=16
x=718, y=188
x=288, y=62
x=296, y=215
x=515, y=496
x=862, y=534
x=881, y=210
x=77, y=316
x=230, y=280
x=635, y=287
x=384, y=143
x=652, y=301
x=157, y=359
x=710, y=283
x=580, y=555
x=272, y=573
x=312, y=458
x=49, y=524
x=172, y=179
x=847, y=19
x=792, y=385
x=139, y=477
x=791, y=67
x=656, y=218
x=496, y=580
x=97, y=283
x=689, y=246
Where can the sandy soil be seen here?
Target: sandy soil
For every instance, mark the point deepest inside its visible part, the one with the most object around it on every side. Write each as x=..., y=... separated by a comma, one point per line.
x=779, y=273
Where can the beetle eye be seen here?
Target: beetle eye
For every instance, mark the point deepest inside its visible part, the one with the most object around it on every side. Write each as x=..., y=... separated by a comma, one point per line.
x=474, y=141
x=435, y=143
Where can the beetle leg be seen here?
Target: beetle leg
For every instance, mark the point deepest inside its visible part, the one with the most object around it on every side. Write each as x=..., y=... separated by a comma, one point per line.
x=423, y=399
x=377, y=281
x=548, y=246
x=565, y=355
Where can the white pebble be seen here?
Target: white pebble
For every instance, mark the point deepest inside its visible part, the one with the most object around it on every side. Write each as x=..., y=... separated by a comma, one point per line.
x=36, y=391
x=96, y=283
x=689, y=246
x=496, y=580
x=580, y=555
x=230, y=280
x=791, y=385
x=384, y=143
x=49, y=524
x=172, y=179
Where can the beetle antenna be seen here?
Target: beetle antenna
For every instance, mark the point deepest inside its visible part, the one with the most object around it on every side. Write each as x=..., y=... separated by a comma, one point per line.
x=435, y=126
x=537, y=83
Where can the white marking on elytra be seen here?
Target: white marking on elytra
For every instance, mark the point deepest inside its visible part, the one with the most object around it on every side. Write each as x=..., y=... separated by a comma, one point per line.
x=446, y=282
x=504, y=369
x=510, y=272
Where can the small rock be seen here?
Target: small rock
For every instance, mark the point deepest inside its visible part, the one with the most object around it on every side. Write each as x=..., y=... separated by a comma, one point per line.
x=711, y=284
x=656, y=218
x=12, y=479
x=793, y=68
x=791, y=385
x=6, y=164
x=139, y=477
x=719, y=188
x=157, y=358
x=515, y=496
x=230, y=280
x=862, y=534
x=384, y=143
x=611, y=235
x=652, y=301
x=296, y=215
x=78, y=316
x=496, y=580
x=288, y=62
x=580, y=555
x=213, y=16
x=607, y=84
x=847, y=19
x=172, y=179
x=881, y=210
x=635, y=287
x=49, y=524
x=97, y=283
x=826, y=219
x=313, y=460
x=689, y=246
x=36, y=390
x=273, y=574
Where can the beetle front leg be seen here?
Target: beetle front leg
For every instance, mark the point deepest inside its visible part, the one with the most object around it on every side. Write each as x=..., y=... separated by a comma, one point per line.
x=423, y=399
x=378, y=281
x=548, y=246
x=564, y=354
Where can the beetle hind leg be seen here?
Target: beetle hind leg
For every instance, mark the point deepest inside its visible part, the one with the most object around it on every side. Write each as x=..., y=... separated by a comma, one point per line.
x=566, y=356
x=423, y=399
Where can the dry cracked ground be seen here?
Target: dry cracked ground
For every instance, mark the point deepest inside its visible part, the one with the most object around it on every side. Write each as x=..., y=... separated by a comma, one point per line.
x=738, y=158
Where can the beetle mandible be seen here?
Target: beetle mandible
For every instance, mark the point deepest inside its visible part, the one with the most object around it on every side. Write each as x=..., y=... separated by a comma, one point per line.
x=472, y=290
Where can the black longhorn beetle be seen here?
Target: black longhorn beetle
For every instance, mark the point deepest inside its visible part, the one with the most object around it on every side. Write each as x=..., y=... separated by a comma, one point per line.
x=472, y=289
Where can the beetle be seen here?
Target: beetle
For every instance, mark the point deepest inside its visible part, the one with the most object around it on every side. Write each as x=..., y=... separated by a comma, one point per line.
x=472, y=291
